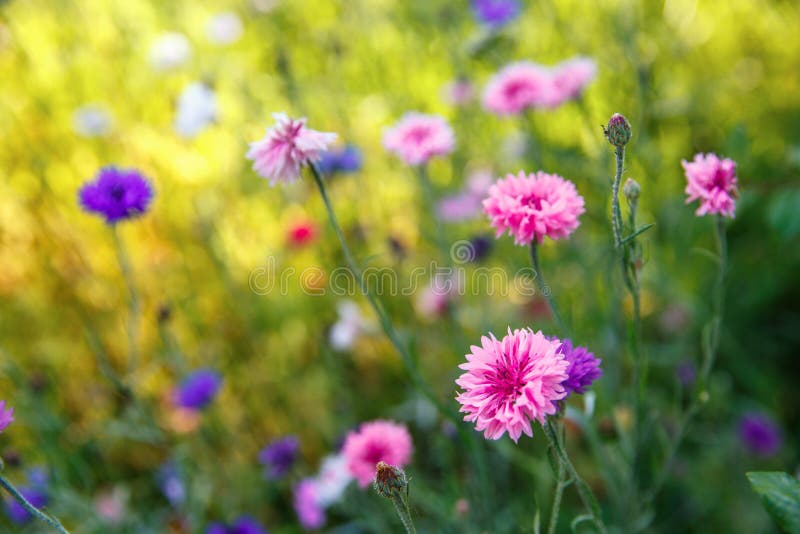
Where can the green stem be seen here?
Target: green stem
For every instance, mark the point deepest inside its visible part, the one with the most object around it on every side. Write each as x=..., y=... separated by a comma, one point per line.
x=544, y=288
x=561, y=484
x=616, y=213
x=401, y=505
x=133, y=307
x=31, y=509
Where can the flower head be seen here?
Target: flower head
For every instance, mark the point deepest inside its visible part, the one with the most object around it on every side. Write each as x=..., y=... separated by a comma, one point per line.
x=198, y=389
x=171, y=484
x=307, y=506
x=286, y=148
x=170, y=51
x=351, y=324
x=332, y=479
x=570, y=78
x=760, y=434
x=116, y=194
x=224, y=28
x=19, y=515
x=279, y=456
x=6, y=415
x=618, y=131
x=244, y=525
x=344, y=160
x=419, y=137
x=518, y=87
x=376, y=441
x=713, y=182
x=510, y=382
x=584, y=367
x=495, y=13
x=532, y=207
x=466, y=204
x=459, y=92
x=302, y=233
x=197, y=108
x=390, y=481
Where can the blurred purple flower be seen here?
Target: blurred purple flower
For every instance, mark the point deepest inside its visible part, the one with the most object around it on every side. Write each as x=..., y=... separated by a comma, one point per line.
x=116, y=194
x=306, y=504
x=279, y=456
x=342, y=160
x=495, y=13
x=467, y=203
x=6, y=415
x=760, y=434
x=244, y=525
x=686, y=372
x=171, y=484
x=481, y=247
x=583, y=368
x=35, y=495
x=198, y=389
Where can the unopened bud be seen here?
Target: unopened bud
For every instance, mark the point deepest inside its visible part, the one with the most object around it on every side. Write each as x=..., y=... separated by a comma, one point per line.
x=631, y=190
x=390, y=481
x=618, y=131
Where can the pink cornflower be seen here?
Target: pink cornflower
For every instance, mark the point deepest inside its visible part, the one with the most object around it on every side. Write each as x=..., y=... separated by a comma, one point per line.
x=510, y=382
x=419, y=137
x=301, y=233
x=517, y=87
x=713, y=181
x=533, y=206
x=306, y=505
x=376, y=441
x=569, y=79
x=286, y=148
x=6, y=415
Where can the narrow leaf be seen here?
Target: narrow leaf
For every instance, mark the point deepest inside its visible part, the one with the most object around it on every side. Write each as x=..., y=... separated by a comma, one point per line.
x=780, y=495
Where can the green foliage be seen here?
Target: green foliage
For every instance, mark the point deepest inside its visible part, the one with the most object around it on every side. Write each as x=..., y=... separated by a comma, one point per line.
x=780, y=494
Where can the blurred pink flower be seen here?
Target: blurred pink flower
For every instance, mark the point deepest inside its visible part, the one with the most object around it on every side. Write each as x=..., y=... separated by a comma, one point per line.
x=511, y=382
x=6, y=415
x=459, y=92
x=533, y=206
x=569, y=78
x=467, y=203
x=301, y=233
x=419, y=137
x=306, y=504
x=713, y=182
x=286, y=147
x=376, y=441
x=112, y=505
x=434, y=300
x=517, y=87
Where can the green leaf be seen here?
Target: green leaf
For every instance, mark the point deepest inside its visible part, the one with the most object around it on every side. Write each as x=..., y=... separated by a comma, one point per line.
x=780, y=495
x=586, y=518
x=641, y=230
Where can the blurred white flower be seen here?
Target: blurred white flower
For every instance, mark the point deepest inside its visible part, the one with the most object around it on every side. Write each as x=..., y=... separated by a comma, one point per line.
x=224, y=28
x=197, y=108
x=348, y=328
x=92, y=120
x=332, y=479
x=170, y=51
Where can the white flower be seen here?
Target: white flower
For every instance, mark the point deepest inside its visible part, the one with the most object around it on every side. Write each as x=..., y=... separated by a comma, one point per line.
x=197, y=108
x=224, y=28
x=332, y=479
x=170, y=51
x=92, y=120
x=348, y=328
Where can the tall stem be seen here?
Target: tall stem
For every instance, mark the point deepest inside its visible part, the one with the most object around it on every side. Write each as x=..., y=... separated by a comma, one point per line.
x=616, y=213
x=133, y=303
x=31, y=509
x=401, y=505
x=561, y=484
x=544, y=289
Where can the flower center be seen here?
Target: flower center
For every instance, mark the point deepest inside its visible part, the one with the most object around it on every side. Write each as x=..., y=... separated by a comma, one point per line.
x=508, y=380
x=117, y=192
x=533, y=201
x=418, y=135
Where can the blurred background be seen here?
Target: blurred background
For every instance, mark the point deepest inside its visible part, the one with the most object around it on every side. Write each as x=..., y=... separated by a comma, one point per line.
x=177, y=90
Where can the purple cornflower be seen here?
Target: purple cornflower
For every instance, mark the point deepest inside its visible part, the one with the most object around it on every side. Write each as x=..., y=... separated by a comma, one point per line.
x=244, y=525
x=18, y=514
x=495, y=13
x=343, y=160
x=116, y=194
x=6, y=415
x=760, y=434
x=481, y=247
x=279, y=456
x=583, y=368
x=198, y=389
x=171, y=484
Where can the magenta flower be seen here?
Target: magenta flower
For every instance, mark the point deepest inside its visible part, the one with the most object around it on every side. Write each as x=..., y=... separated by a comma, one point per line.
x=713, y=182
x=306, y=504
x=569, y=79
x=517, y=87
x=116, y=194
x=286, y=148
x=511, y=382
x=376, y=441
x=6, y=415
x=419, y=137
x=533, y=206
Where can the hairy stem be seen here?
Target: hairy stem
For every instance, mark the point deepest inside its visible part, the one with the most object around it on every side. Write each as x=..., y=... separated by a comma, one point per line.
x=31, y=509
x=401, y=505
x=561, y=484
x=544, y=288
x=133, y=303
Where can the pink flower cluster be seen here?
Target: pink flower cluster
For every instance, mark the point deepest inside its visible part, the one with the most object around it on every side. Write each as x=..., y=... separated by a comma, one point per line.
x=534, y=206
x=286, y=148
x=419, y=137
x=376, y=441
x=712, y=181
x=525, y=85
x=313, y=495
x=510, y=382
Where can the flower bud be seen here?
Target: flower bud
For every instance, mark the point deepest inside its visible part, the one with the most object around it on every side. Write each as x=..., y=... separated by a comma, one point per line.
x=631, y=190
x=618, y=131
x=390, y=481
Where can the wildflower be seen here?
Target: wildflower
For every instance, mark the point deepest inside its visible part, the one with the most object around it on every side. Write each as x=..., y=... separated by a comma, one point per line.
x=224, y=28
x=466, y=204
x=170, y=51
x=510, y=382
x=584, y=367
x=198, y=389
x=481, y=247
x=569, y=79
x=332, y=479
x=279, y=456
x=344, y=160
x=244, y=525
x=517, y=87
x=171, y=484
x=302, y=233
x=760, y=434
x=286, y=148
x=35, y=492
x=374, y=442
x=713, y=182
x=631, y=190
x=418, y=137
x=390, y=481
x=495, y=13
x=306, y=505
x=6, y=415
x=116, y=194
x=618, y=131
x=92, y=120
x=533, y=207
x=348, y=328
x=435, y=299
x=112, y=505
x=459, y=92
x=197, y=108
